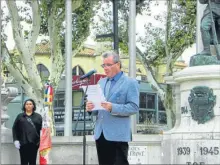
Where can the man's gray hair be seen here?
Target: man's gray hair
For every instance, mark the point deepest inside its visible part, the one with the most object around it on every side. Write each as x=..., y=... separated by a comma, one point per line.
x=115, y=55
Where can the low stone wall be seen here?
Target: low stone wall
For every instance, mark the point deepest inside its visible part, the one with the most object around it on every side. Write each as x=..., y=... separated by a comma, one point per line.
x=9, y=154
x=144, y=149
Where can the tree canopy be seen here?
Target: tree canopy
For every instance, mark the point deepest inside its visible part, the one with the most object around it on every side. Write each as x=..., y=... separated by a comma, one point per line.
x=29, y=20
x=163, y=44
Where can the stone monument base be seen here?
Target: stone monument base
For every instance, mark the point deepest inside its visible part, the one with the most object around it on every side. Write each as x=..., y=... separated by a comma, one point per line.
x=196, y=151
x=198, y=60
x=195, y=139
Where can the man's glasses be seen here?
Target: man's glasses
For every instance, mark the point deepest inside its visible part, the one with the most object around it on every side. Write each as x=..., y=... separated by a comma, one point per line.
x=108, y=65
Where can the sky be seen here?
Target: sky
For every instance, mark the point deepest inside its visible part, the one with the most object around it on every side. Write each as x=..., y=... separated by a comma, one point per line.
x=141, y=20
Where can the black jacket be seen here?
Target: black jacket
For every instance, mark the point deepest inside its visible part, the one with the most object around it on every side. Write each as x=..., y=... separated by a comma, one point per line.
x=24, y=131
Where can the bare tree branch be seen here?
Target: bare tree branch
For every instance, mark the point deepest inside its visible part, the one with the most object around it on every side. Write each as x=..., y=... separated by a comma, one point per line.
x=25, y=54
x=15, y=21
x=34, y=33
x=54, y=26
x=56, y=58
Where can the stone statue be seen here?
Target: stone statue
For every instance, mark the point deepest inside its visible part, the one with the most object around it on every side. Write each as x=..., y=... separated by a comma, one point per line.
x=7, y=94
x=206, y=24
x=210, y=31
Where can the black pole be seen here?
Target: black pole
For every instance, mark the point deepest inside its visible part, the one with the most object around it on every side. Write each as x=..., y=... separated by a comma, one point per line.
x=84, y=122
x=84, y=135
x=115, y=25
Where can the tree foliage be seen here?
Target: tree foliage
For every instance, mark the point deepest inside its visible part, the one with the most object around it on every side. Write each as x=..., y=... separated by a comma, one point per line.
x=180, y=31
x=81, y=19
x=163, y=44
x=103, y=23
x=29, y=19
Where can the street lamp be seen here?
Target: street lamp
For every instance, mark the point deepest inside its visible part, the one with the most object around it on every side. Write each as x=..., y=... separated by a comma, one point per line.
x=115, y=27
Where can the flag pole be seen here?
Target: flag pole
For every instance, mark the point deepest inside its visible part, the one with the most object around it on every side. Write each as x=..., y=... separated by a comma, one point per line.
x=68, y=64
x=0, y=83
x=132, y=51
x=47, y=127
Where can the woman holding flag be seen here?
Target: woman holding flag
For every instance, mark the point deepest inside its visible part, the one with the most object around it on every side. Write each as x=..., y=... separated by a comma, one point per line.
x=26, y=133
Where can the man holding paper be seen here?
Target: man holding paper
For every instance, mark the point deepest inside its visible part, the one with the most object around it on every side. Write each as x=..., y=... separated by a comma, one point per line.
x=113, y=126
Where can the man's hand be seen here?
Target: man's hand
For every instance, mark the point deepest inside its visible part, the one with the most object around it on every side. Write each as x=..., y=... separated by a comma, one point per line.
x=89, y=106
x=107, y=106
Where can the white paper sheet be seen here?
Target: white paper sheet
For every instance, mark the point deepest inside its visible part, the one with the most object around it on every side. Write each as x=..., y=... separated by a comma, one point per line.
x=95, y=95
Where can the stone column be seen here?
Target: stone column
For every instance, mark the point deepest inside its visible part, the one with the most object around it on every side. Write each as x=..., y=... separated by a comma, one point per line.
x=176, y=97
x=9, y=154
x=167, y=141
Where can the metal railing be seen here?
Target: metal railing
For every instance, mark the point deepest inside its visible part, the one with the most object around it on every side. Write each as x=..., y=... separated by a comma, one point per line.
x=77, y=121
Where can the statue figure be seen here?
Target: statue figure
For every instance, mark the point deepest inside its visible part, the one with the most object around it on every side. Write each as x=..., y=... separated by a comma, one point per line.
x=208, y=35
x=210, y=31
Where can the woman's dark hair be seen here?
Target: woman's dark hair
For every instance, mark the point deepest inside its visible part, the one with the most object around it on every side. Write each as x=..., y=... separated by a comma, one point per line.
x=31, y=100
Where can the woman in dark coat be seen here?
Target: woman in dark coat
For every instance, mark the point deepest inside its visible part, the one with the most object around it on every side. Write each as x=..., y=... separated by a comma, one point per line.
x=26, y=133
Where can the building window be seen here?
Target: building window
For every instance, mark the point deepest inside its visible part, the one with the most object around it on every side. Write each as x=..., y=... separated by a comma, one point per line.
x=77, y=98
x=147, y=113
x=151, y=101
x=162, y=118
x=59, y=110
x=147, y=100
x=59, y=100
x=81, y=72
x=147, y=117
x=143, y=100
x=43, y=71
x=162, y=112
x=160, y=105
x=77, y=70
x=151, y=110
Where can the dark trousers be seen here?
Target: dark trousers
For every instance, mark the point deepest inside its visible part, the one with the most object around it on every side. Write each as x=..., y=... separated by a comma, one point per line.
x=111, y=153
x=28, y=154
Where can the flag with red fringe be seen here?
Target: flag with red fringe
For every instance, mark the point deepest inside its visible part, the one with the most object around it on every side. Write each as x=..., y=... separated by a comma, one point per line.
x=45, y=139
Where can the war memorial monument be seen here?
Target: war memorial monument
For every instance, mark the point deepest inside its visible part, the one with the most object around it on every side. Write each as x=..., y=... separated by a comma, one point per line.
x=195, y=138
